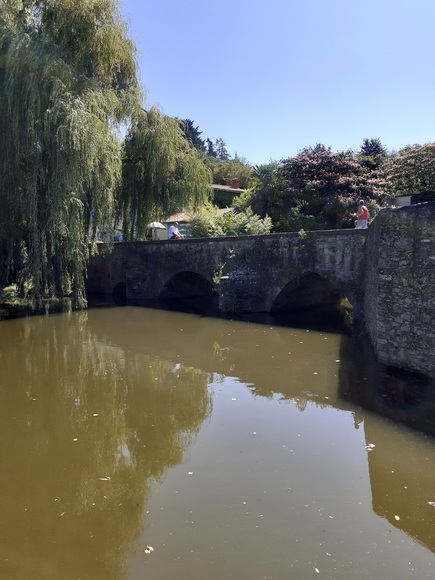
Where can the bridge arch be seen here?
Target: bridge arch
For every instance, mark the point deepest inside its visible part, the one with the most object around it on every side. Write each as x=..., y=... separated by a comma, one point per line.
x=187, y=284
x=305, y=291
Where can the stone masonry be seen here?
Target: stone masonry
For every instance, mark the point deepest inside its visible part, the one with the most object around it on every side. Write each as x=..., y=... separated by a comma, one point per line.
x=399, y=297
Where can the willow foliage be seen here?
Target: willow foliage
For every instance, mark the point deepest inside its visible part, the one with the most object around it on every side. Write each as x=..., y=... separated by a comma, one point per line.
x=67, y=78
x=161, y=172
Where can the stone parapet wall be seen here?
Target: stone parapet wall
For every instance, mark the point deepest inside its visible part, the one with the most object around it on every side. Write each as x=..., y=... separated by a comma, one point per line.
x=399, y=301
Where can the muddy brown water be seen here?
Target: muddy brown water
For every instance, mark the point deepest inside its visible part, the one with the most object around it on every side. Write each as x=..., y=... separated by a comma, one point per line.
x=137, y=443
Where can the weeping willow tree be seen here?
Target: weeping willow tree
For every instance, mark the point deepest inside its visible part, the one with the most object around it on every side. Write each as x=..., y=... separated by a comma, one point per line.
x=67, y=81
x=162, y=173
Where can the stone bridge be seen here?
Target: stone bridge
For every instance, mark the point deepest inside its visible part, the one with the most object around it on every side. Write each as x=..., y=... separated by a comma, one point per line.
x=249, y=273
x=386, y=272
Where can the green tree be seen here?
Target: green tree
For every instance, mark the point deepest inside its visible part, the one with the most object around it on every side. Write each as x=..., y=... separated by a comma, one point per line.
x=225, y=171
x=265, y=195
x=67, y=80
x=209, y=221
x=192, y=134
x=221, y=150
x=210, y=148
x=373, y=148
x=264, y=173
x=206, y=222
x=248, y=223
x=372, y=154
x=161, y=173
x=68, y=84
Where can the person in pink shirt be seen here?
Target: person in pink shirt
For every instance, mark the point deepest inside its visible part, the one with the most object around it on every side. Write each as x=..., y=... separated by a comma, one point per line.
x=362, y=216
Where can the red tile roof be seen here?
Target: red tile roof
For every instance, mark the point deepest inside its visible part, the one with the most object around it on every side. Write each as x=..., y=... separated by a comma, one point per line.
x=177, y=217
x=185, y=217
x=227, y=188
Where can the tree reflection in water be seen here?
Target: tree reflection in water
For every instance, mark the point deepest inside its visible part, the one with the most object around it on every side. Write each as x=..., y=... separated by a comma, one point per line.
x=85, y=427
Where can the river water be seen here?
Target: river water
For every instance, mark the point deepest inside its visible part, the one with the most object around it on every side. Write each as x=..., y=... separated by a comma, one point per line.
x=138, y=443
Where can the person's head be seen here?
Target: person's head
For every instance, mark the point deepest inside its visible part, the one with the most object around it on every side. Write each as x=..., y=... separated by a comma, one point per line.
x=360, y=203
x=176, y=224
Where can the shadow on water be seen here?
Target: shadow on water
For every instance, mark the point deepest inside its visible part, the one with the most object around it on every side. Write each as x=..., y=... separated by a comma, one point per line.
x=329, y=319
x=400, y=479
x=401, y=395
x=324, y=318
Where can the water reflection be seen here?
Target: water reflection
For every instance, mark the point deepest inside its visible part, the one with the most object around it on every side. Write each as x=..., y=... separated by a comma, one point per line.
x=104, y=414
x=402, y=480
x=400, y=462
x=403, y=396
x=270, y=359
x=84, y=427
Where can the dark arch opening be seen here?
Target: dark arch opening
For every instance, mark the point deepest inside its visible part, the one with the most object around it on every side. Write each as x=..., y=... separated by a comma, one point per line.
x=187, y=285
x=119, y=293
x=312, y=301
x=305, y=292
x=189, y=292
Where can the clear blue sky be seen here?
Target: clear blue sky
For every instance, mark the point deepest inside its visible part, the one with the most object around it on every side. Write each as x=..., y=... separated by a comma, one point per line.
x=272, y=77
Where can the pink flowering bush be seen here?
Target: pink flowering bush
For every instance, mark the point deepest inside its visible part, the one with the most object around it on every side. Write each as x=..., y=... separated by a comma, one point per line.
x=320, y=189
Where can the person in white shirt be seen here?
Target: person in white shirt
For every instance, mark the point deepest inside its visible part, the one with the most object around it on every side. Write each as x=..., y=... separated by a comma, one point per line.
x=173, y=232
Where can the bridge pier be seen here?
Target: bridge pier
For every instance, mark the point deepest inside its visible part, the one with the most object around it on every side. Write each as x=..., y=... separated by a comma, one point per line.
x=399, y=287
x=242, y=291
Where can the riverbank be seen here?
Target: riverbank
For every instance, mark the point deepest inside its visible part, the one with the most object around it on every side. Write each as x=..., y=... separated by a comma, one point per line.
x=13, y=307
